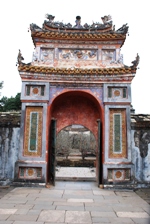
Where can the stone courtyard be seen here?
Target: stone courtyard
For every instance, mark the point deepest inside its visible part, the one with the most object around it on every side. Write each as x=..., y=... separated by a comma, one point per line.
x=73, y=203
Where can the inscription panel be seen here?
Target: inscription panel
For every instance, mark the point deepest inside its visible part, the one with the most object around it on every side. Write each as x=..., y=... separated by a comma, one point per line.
x=33, y=131
x=117, y=133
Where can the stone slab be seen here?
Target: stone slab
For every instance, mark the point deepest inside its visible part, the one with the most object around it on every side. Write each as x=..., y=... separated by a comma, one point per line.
x=7, y=211
x=6, y=222
x=143, y=221
x=100, y=220
x=4, y=217
x=146, y=208
x=26, y=218
x=80, y=200
x=133, y=214
x=24, y=206
x=98, y=208
x=34, y=212
x=8, y=206
x=103, y=192
x=52, y=199
x=78, y=192
x=10, y=201
x=52, y=216
x=43, y=206
x=61, y=203
x=22, y=211
x=125, y=208
x=103, y=214
x=121, y=220
x=78, y=217
x=25, y=222
x=70, y=208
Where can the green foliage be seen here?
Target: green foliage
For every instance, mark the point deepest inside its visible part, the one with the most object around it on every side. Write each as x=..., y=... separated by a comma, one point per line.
x=9, y=104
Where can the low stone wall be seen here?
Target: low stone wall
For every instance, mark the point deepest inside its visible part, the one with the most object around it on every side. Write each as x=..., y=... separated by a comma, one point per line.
x=9, y=144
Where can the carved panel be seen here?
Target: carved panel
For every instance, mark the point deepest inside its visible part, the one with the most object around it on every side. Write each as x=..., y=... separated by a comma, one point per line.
x=117, y=133
x=78, y=54
x=119, y=174
x=108, y=56
x=30, y=172
x=46, y=57
x=117, y=93
x=35, y=90
x=33, y=132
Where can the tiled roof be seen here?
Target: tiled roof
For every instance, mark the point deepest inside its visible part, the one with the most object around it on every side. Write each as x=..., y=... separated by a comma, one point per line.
x=51, y=70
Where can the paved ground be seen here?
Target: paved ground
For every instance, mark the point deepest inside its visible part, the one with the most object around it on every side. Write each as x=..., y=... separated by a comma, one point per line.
x=72, y=203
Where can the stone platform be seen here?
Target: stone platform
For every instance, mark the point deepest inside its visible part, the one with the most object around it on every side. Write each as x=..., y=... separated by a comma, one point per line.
x=75, y=173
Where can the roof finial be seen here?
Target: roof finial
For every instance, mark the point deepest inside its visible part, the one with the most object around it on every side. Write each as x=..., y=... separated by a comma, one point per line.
x=78, y=22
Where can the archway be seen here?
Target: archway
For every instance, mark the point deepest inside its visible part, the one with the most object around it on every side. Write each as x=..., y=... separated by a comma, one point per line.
x=75, y=154
x=79, y=107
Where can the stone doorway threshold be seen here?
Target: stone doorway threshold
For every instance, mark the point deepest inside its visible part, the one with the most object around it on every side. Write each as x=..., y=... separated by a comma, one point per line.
x=76, y=173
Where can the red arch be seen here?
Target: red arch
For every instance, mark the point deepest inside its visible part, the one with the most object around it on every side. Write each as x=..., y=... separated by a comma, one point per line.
x=77, y=107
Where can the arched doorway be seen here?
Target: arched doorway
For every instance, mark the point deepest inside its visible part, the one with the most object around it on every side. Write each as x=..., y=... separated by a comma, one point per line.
x=76, y=107
x=75, y=154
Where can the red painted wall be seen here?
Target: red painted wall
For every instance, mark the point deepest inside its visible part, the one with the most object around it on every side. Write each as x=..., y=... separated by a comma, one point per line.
x=76, y=108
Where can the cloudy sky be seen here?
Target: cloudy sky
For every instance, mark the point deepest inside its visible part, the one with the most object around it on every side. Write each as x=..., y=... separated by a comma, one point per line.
x=16, y=15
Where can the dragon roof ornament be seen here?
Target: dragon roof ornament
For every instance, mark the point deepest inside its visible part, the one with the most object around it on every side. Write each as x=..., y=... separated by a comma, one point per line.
x=19, y=58
x=136, y=61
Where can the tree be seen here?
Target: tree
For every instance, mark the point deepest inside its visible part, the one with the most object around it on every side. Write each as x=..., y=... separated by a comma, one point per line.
x=12, y=103
x=1, y=85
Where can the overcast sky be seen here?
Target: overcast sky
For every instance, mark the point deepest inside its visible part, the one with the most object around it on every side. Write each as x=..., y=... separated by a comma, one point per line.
x=17, y=15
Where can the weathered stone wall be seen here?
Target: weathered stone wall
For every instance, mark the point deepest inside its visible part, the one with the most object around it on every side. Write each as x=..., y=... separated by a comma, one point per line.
x=141, y=147
x=9, y=144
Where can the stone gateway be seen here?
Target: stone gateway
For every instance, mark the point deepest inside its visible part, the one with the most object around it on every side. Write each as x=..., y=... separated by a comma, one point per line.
x=77, y=77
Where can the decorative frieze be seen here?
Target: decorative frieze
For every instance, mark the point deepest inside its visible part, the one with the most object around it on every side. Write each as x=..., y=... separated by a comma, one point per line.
x=78, y=54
